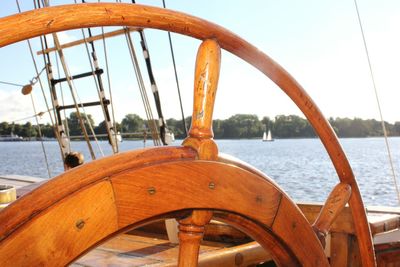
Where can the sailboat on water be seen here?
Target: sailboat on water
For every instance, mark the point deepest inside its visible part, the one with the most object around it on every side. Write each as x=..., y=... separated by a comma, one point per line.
x=267, y=137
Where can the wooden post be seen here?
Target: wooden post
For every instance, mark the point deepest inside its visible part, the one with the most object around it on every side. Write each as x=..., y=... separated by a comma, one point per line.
x=354, y=258
x=208, y=63
x=339, y=249
x=191, y=232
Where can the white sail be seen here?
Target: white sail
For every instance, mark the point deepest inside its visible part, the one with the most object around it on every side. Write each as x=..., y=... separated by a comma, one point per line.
x=269, y=136
x=264, y=136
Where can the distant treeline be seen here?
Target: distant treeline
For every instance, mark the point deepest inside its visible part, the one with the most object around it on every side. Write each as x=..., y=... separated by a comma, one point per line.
x=237, y=126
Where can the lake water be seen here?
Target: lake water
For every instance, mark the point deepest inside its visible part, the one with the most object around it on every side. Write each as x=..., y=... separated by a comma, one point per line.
x=300, y=166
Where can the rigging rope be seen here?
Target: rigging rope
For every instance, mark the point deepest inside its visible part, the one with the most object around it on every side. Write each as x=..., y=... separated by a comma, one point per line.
x=378, y=103
x=176, y=79
x=32, y=82
x=73, y=91
x=74, y=95
x=154, y=88
x=145, y=100
x=65, y=122
x=40, y=114
x=45, y=99
x=143, y=94
x=98, y=82
x=54, y=101
x=13, y=84
x=46, y=60
x=37, y=73
x=41, y=137
x=98, y=92
x=109, y=89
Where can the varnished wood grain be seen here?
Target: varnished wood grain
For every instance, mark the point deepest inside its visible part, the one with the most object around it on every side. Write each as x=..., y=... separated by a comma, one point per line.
x=335, y=203
x=139, y=250
x=339, y=249
x=288, y=224
x=67, y=183
x=206, y=148
x=311, y=210
x=354, y=258
x=41, y=242
x=206, y=77
x=191, y=232
x=143, y=193
x=205, y=88
x=343, y=224
x=195, y=184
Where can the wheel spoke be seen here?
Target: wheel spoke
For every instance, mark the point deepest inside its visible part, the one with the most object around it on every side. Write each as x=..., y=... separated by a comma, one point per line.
x=335, y=203
x=191, y=232
x=205, y=88
x=208, y=63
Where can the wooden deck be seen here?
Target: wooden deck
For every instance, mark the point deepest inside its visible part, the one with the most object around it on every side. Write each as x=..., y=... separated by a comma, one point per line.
x=145, y=249
x=138, y=250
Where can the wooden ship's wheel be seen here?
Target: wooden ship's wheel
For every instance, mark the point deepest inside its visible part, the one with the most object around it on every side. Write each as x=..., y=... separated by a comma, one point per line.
x=76, y=211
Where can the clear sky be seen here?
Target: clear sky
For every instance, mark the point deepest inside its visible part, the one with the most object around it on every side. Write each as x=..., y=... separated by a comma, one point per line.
x=318, y=42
